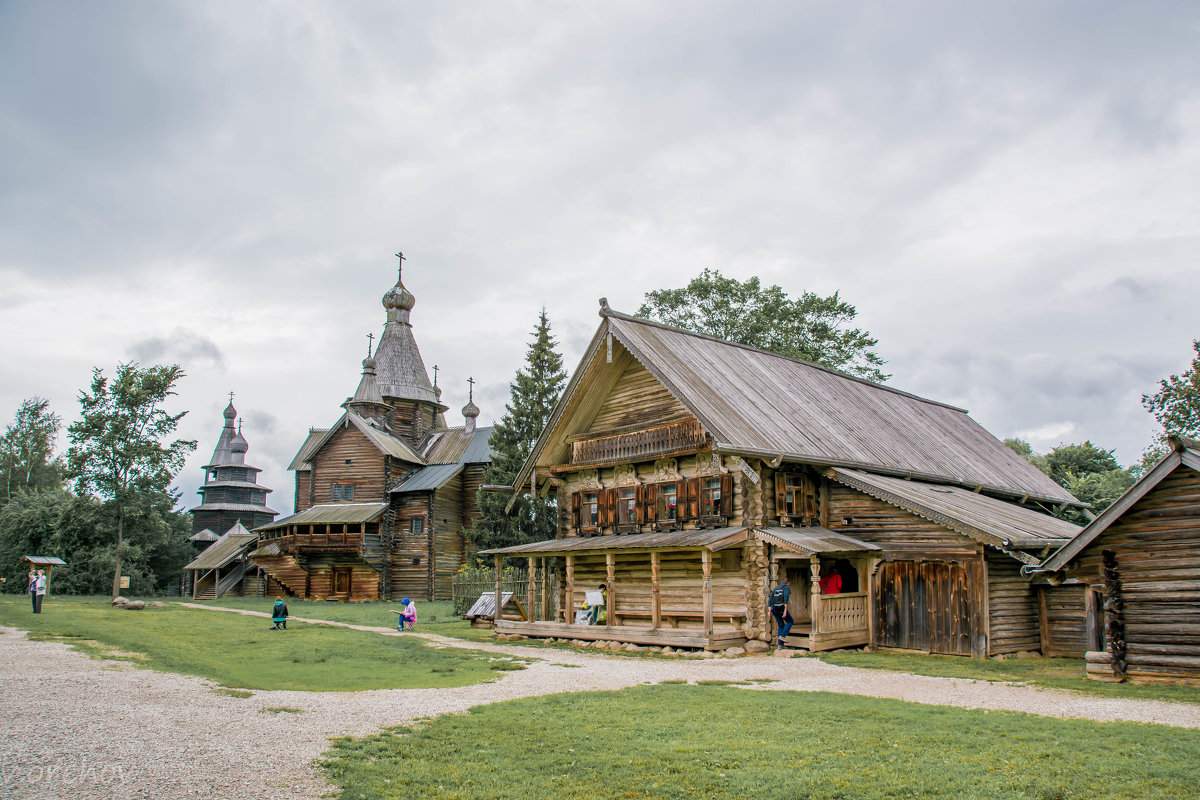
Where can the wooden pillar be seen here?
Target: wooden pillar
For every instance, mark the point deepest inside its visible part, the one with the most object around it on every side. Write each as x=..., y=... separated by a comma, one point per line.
x=499, y=565
x=569, y=605
x=869, y=588
x=545, y=588
x=610, y=605
x=814, y=565
x=1043, y=620
x=531, y=591
x=706, y=563
x=655, y=591
x=194, y=581
x=217, y=584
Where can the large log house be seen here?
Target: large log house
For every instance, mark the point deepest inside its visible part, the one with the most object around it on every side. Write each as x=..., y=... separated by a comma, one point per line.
x=383, y=496
x=1126, y=590
x=692, y=473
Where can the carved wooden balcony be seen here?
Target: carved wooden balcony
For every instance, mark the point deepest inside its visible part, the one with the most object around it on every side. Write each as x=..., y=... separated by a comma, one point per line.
x=677, y=438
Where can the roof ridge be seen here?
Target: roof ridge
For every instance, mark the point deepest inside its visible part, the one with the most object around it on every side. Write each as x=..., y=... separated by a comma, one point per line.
x=608, y=313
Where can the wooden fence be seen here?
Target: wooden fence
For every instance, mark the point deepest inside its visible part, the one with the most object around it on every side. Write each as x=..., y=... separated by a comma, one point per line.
x=468, y=586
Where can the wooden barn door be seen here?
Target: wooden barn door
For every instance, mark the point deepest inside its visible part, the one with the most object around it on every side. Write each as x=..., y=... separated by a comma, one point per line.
x=928, y=606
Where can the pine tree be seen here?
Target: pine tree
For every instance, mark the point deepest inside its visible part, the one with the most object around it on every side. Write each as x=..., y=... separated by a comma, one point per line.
x=534, y=392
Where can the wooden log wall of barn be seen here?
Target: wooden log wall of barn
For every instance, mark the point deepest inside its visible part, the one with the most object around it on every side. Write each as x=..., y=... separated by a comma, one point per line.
x=1156, y=547
x=1063, y=620
x=348, y=458
x=448, y=541
x=1013, y=619
x=410, y=562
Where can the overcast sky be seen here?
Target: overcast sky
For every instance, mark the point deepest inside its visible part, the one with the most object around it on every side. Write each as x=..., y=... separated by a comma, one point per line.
x=1008, y=192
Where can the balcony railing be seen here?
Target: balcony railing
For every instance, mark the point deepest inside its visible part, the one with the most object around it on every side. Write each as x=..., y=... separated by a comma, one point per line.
x=678, y=437
x=842, y=612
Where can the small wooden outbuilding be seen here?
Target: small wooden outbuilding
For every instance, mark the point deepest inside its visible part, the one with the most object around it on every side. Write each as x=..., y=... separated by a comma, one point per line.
x=1136, y=573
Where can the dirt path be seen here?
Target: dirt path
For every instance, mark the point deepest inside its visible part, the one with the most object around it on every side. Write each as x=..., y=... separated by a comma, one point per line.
x=86, y=728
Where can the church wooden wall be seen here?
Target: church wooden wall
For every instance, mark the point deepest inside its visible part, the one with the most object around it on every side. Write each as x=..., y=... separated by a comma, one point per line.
x=411, y=420
x=366, y=470
x=448, y=543
x=1156, y=544
x=303, y=498
x=410, y=579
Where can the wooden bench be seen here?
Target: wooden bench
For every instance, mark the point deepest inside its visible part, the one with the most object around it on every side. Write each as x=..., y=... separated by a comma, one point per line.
x=672, y=615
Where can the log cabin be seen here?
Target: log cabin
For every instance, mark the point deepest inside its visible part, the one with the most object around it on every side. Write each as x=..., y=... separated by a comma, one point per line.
x=384, y=495
x=231, y=501
x=1132, y=577
x=691, y=474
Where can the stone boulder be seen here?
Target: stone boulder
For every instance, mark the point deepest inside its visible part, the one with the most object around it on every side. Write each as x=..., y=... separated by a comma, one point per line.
x=120, y=601
x=134, y=605
x=757, y=646
x=157, y=604
x=733, y=652
x=668, y=651
x=783, y=653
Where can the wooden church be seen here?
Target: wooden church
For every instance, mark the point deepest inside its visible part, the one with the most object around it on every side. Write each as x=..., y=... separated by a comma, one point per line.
x=232, y=502
x=384, y=495
x=692, y=474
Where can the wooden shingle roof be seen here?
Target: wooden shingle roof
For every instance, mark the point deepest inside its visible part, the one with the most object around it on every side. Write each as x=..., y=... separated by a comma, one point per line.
x=756, y=403
x=235, y=543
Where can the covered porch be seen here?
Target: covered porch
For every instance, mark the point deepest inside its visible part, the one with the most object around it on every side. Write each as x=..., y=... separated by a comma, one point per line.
x=805, y=555
x=689, y=589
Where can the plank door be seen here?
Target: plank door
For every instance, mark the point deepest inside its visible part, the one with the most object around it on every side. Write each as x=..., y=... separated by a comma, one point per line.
x=341, y=580
x=927, y=606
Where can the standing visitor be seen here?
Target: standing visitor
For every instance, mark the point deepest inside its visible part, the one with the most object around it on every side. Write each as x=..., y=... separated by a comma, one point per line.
x=33, y=589
x=39, y=591
x=780, y=596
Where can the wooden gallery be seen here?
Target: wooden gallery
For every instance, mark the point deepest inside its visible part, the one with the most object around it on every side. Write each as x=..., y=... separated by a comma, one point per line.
x=691, y=474
x=384, y=495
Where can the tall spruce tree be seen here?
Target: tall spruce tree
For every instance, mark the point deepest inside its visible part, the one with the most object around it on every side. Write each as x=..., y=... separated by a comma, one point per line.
x=534, y=392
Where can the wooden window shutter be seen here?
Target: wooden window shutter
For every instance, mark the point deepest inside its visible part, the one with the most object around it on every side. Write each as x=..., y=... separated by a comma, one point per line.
x=781, y=494
x=576, y=503
x=810, y=497
x=727, y=496
x=648, y=504
x=610, y=507
x=639, y=505
x=693, y=497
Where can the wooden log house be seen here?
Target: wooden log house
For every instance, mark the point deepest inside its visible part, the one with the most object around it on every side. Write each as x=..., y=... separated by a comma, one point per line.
x=1125, y=592
x=384, y=495
x=691, y=474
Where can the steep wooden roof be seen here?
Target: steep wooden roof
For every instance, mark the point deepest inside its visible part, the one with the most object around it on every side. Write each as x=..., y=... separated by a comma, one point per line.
x=330, y=513
x=1184, y=453
x=458, y=446
x=234, y=543
x=753, y=402
x=383, y=441
x=301, y=460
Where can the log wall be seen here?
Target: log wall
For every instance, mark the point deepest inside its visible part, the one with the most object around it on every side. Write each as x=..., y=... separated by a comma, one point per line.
x=1013, y=624
x=449, y=544
x=902, y=534
x=366, y=470
x=410, y=555
x=1064, y=621
x=1156, y=545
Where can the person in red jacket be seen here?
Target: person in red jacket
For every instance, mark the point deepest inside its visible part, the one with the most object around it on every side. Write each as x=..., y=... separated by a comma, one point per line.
x=831, y=584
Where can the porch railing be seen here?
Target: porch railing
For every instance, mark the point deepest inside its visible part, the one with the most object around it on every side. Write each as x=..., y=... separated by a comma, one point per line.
x=843, y=612
x=467, y=588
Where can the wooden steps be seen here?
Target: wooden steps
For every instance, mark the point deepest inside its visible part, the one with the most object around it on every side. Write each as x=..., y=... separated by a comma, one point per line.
x=285, y=570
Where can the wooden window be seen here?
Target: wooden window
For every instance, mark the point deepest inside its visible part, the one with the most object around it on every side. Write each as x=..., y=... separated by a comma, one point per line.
x=710, y=497
x=589, y=511
x=626, y=505
x=668, y=506
x=416, y=526
x=342, y=491
x=795, y=498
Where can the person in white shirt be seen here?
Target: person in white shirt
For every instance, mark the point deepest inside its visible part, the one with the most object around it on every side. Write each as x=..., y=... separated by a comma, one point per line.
x=39, y=591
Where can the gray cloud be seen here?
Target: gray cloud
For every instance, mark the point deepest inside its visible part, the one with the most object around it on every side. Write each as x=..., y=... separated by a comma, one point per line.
x=189, y=349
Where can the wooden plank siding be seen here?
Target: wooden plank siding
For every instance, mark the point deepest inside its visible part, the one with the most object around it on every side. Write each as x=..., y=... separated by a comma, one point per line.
x=900, y=533
x=1063, y=613
x=410, y=420
x=366, y=470
x=303, y=499
x=449, y=547
x=1013, y=616
x=931, y=606
x=1156, y=545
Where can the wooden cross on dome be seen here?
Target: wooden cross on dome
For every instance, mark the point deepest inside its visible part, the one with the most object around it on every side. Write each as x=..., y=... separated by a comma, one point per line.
x=471, y=390
x=231, y=398
x=370, y=341
x=400, y=256
x=435, y=372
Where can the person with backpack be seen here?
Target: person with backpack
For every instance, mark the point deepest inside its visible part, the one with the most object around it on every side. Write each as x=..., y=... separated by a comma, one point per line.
x=780, y=596
x=279, y=615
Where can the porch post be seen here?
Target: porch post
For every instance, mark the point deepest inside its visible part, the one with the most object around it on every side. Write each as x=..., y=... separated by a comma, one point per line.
x=193, y=584
x=499, y=562
x=569, y=605
x=217, y=585
x=655, y=592
x=869, y=588
x=706, y=563
x=814, y=564
x=530, y=592
x=545, y=588
x=610, y=606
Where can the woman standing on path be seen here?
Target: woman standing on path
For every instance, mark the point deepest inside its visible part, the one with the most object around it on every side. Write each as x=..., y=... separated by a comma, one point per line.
x=39, y=591
x=33, y=589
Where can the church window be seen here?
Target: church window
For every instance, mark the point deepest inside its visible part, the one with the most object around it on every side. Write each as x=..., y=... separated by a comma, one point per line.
x=342, y=491
x=416, y=526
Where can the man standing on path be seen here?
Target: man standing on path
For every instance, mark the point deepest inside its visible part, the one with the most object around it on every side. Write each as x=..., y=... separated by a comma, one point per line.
x=39, y=591
x=780, y=596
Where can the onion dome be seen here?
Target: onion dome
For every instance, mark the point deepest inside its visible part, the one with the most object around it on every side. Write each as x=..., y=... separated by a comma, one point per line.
x=238, y=446
x=230, y=413
x=399, y=301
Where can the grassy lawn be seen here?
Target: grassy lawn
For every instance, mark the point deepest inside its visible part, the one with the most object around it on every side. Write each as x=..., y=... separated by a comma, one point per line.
x=238, y=651
x=432, y=617
x=1052, y=673
x=715, y=741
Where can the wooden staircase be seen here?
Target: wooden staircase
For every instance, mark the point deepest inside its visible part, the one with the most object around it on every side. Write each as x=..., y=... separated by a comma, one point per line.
x=284, y=569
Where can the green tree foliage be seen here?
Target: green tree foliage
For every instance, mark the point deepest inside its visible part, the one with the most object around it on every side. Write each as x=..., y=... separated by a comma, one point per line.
x=119, y=453
x=533, y=394
x=807, y=327
x=1176, y=406
x=27, y=461
x=1089, y=472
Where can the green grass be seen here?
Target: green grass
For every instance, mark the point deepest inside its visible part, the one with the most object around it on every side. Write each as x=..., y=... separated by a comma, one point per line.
x=433, y=617
x=1052, y=673
x=240, y=652
x=721, y=742
x=282, y=710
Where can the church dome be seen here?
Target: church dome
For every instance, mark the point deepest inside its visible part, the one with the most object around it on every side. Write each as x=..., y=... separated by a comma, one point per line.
x=398, y=298
x=230, y=412
x=470, y=410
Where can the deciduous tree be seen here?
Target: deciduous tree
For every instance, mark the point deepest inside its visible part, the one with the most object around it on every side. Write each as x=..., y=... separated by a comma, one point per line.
x=119, y=449
x=27, y=449
x=533, y=394
x=1176, y=406
x=809, y=327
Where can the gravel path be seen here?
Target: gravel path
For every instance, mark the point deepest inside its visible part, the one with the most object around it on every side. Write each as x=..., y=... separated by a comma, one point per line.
x=87, y=728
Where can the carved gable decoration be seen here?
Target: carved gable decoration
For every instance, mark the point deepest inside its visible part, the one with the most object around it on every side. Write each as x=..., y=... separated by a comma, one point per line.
x=626, y=475
x=666, y=470
x=708, y=465
x=589, y=480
